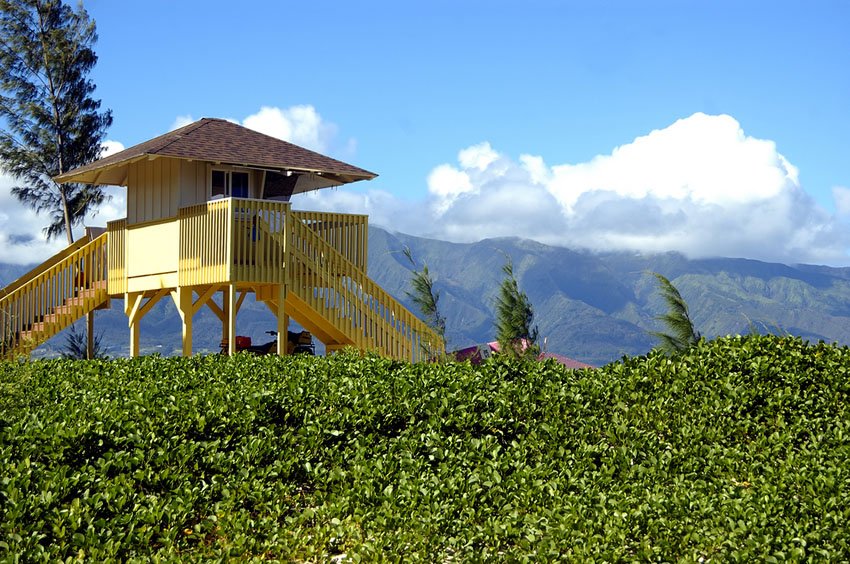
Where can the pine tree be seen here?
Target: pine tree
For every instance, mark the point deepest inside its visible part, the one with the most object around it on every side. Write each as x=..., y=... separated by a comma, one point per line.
x=681, y=332
x=514, y=318
x=425, y=297
x=51, y=122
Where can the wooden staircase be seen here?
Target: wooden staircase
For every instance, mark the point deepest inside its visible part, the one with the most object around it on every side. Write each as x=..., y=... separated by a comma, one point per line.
x=327, y=292
x=51, y=297
x=335, y=300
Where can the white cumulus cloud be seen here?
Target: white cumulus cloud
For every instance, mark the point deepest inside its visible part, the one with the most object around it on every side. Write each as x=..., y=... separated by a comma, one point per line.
x=841, y=197
x=446, y=183
x=702, y=159
x=301, y=125
x=700, y=186
x=21, y=236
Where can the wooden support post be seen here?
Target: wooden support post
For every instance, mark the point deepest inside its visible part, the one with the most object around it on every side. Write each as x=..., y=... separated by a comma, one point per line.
x=182, y=297
x=282, y=321
x=226, y=337
x=132, y=307
x=136, y=310
x=230, y=320
x=90, y=335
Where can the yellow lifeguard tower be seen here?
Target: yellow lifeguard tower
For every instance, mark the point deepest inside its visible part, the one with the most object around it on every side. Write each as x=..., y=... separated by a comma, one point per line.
x=208, y=212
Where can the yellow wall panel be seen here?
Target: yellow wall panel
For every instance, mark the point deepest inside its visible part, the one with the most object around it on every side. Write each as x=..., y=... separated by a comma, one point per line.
x=153, y=190
x=193, y=183
x=152, y=249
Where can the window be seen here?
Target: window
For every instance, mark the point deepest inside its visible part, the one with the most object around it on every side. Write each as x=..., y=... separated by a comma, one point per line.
x=229, y=183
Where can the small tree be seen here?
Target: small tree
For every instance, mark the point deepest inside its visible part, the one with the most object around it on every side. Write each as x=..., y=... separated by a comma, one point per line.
x=76, y=345
x=51, y=122
x=681, y=333
x=514, y=318
x=425, y=297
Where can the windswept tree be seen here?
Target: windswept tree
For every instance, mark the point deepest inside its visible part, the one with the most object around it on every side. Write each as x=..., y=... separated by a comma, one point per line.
x=515, y=331
x=425, y=296
x=681, y=334
x=51, y=123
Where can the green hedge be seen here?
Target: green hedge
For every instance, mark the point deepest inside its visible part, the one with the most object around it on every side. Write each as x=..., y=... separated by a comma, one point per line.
x=739, y=451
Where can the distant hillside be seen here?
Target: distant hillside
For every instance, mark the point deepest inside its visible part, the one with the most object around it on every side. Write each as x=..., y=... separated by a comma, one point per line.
x=598, y=307
x=592, y=307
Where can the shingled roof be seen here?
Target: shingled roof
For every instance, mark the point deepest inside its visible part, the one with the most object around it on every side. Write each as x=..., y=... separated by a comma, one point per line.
x=222, y=142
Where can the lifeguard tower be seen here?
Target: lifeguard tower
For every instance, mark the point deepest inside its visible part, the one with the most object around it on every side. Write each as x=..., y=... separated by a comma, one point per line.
x=208, y=214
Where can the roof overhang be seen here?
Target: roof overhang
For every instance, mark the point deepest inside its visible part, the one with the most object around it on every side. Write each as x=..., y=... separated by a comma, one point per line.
x=117, y=173
x=222, y=143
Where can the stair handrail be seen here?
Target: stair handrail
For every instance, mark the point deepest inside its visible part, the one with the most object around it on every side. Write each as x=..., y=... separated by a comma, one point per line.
x=44, y=266
x=48, y=285
x=369, y=289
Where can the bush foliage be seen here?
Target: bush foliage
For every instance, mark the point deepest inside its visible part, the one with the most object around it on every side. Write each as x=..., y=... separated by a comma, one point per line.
x=737, y=451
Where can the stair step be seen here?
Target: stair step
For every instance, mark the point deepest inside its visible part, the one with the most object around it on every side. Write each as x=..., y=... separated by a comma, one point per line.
x=88, y=296
x=32, y=336
x=82, y=300
x=58, y=317
x=90, y=293
x=66, y=309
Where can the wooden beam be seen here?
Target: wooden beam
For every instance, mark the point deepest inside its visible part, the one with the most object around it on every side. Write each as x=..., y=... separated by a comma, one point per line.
x=272, y=305
x=152, y=302
x=136, y=310
x=175, y=297
x=241, y=299
x=132, y=303
x=204, y=298
x=220, y=313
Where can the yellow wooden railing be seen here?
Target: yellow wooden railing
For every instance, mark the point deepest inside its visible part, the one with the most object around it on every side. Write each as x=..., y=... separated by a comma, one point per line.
x=229, y=240
x=205, y=243
x=237, y=239
x=321, y=257
x=259, y=246
x=343, y=295
x=116, y=256
x=348, y=234
x=53, y=296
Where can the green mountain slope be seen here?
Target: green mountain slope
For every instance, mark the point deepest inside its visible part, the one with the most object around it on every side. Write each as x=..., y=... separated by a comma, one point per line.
x=598, y=307
x=592, y=307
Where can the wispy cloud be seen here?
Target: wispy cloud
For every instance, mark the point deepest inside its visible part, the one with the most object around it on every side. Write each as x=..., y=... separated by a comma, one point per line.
x=181, y=121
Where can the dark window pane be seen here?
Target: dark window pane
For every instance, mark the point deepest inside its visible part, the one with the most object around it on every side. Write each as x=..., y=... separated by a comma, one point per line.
x=239, y=184
x=218, y=183
x=279, y=186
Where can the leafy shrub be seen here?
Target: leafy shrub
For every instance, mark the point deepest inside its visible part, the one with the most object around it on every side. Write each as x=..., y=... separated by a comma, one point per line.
x=735, y=451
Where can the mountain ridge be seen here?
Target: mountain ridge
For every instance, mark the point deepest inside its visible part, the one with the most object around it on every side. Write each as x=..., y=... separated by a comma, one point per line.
x=594, y=307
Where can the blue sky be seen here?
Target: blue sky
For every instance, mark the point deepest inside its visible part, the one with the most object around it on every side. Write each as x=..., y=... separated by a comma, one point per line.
x=539, y=112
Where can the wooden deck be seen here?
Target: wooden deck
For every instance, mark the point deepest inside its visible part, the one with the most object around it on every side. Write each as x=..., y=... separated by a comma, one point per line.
x=308, y=266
